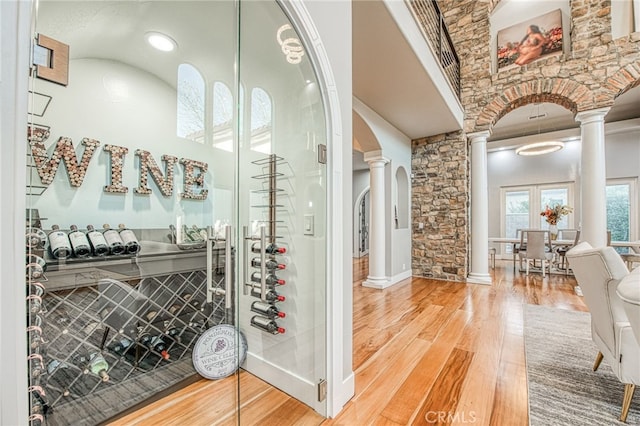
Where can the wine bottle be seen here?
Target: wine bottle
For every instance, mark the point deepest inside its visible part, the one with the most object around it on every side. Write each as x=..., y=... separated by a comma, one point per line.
x=39, y=404
x=271, y=295
x=120, y=345
x=155, y=343
x=59, y=245
x=131, y=244
x=202, y=231
x=81, y=359
x=270, y=264
x=99, y=366
x=34, y=333
x=271, y=248
x=175, y=309
x=270, y=279
x=266, y=324
x=36, y=288
x=60, y=376
x=195, y=303
x=34, y=238
x=98, y=243
x=35, y=267
x=79, y=242
x=36, y=365
x=267, y=309
x=35, y=303
x=115, y=243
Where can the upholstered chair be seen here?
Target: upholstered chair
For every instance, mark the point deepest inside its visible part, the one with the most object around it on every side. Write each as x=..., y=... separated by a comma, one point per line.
x=598, y=272
x=538, y=247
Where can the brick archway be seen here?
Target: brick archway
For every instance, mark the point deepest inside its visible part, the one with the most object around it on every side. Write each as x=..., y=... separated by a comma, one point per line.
x=623, y=80
x=567, y=93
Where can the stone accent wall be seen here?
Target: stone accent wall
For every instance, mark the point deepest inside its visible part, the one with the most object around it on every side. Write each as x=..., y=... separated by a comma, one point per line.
x=440, y=202
x=595, y=71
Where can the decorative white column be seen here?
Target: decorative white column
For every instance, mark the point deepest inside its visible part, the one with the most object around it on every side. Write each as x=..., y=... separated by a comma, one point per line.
x=479, y=271
x=593, y=178
x=377, y=247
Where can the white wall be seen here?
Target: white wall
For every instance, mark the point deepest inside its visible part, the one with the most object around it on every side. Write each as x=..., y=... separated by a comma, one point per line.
x=396, y=147
x=622, y=18
x=506, y=169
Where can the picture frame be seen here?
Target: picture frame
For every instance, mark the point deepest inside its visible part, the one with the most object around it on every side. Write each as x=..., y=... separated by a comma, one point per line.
x=530, y=40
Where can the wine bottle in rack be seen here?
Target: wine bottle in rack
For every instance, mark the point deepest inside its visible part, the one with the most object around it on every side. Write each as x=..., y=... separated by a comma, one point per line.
x=271, y=296
x=34, y=335
x=39, y=404
x=131, y=244
x=120, y=345
x=81, y=359
x=35, y=238
x=270, y=279
x=36, y=365
x=270, y=264
x=35, y=303
x=271, y=248
x=266, y=324
x=175, y=309
x=114, y=242
x=192, y=234
x=79, y=242
x=99, y=245
x=36, y=288
x=202, y=232
x=155, y=343
x=60, y=375
x=35, y=267
x=98, y=366
x=60, y=318
x=59, y=245
x=267, y=309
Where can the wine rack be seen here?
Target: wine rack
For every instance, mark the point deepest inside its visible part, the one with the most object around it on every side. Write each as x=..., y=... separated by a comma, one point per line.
x=261, y=251
x=103, y=332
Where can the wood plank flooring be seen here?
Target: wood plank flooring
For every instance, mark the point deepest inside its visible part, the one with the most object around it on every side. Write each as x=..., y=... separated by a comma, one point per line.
x=425, y=352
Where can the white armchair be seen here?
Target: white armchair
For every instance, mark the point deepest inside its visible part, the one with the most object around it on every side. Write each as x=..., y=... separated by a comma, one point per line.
x=598, y=272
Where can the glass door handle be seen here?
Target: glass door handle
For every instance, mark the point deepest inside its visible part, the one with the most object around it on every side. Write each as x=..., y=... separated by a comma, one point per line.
x=228, y=279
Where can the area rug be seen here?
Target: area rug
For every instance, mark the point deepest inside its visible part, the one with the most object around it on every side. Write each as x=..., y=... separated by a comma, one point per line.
x=563, y=388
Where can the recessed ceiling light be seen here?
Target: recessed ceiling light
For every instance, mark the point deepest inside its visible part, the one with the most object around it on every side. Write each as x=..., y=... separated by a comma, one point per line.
x=161, y=41
x=540, y=148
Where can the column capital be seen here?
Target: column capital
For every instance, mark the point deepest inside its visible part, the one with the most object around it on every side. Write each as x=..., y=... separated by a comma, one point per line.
x=476, y=137
x=592, y=115
x=375, y=157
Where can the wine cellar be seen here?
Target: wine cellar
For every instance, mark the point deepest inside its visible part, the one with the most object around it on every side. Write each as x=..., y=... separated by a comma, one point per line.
x=124, y=330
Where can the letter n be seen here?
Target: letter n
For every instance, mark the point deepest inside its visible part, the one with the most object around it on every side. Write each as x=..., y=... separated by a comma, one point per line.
x=149, y=165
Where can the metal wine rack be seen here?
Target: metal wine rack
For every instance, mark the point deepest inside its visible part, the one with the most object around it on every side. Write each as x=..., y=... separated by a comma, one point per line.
x=108, y=306
x=267, y=235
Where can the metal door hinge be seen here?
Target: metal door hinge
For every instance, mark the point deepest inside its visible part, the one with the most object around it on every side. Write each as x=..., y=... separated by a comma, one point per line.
x=322, y=390
x=322, y=154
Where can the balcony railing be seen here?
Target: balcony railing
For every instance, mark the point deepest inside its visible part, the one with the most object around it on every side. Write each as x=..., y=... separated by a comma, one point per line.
x=429, y=18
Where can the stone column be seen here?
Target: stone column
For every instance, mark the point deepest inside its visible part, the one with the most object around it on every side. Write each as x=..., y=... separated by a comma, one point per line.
x=479, y=271
x=377, y=247
x=593, y=179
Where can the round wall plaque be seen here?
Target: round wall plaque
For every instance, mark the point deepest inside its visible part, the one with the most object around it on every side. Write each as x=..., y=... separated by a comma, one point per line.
x=215, y=354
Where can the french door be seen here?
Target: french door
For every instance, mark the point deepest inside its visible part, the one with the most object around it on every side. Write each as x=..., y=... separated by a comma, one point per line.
x=195, y=132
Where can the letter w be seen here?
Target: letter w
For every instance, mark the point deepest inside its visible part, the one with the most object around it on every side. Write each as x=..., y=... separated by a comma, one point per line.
x=64, y=151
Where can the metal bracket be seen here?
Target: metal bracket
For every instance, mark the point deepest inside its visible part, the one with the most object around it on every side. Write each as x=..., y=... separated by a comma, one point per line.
x=322, y=154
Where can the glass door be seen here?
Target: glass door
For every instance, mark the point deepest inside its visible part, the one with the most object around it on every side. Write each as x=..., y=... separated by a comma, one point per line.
x=165, y=156
x=282, y=207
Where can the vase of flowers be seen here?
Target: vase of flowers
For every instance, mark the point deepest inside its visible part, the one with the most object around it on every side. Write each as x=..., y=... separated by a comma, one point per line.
x=552, y=215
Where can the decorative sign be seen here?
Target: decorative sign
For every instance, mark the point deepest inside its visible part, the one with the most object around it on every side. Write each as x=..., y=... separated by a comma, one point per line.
x=215, y=354
x=65, y=152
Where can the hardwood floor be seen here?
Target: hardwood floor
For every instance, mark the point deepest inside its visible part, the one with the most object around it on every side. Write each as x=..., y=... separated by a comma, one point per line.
x=425, y=352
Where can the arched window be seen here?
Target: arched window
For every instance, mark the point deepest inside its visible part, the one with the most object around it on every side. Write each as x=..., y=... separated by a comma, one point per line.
x=191, y=97
x=222, y=117
x=261, y=121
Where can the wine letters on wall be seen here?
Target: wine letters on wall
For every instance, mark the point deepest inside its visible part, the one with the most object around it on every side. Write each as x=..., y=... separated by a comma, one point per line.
x=64, y=151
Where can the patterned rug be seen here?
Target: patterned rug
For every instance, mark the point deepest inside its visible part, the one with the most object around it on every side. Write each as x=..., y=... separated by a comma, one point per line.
x=563, y=388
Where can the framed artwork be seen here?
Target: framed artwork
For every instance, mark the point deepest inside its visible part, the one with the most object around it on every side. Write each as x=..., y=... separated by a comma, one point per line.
x=530, y=40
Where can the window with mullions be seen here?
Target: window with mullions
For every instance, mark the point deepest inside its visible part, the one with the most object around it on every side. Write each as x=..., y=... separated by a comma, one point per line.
x=521, y=207
x=222, y=117
x=621, y=210
x=261, y=121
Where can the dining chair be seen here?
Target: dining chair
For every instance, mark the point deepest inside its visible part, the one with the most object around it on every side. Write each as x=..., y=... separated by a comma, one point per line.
x=567, y=234
x=538, y=247
x=633, y=256
x=522, y=245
